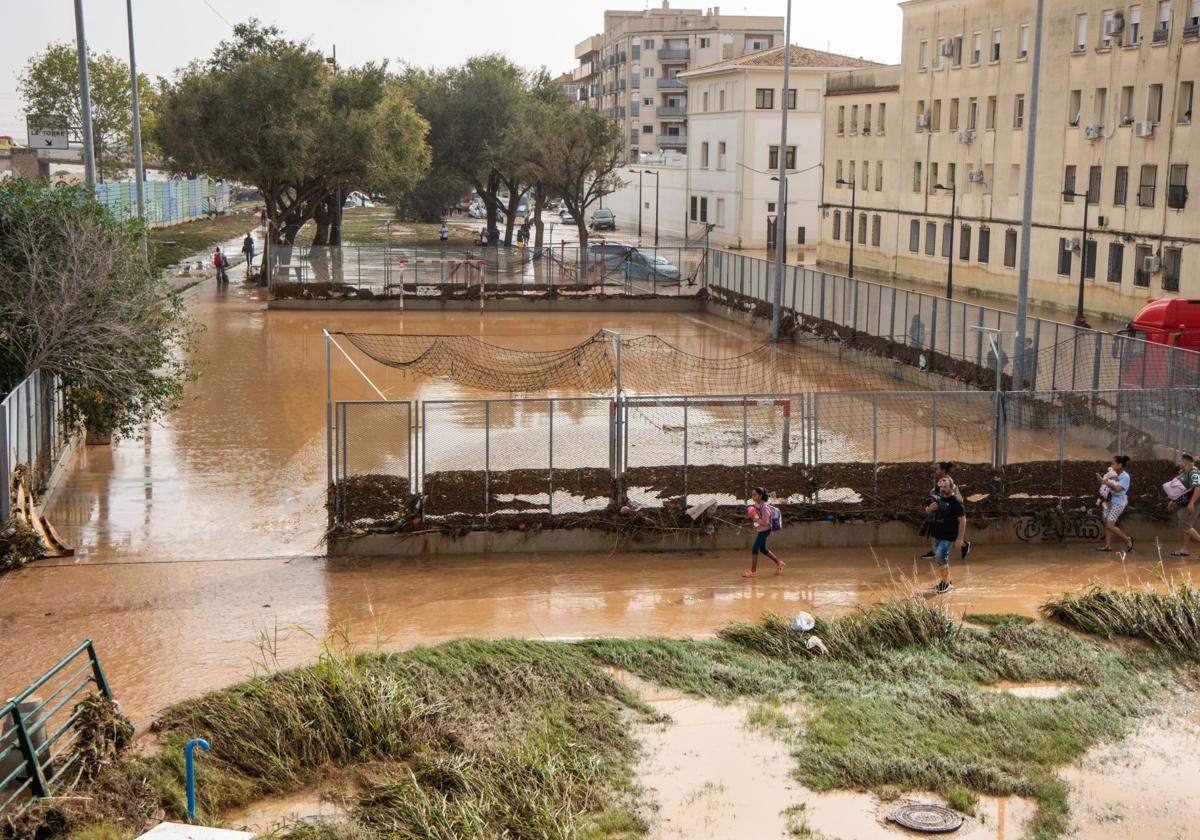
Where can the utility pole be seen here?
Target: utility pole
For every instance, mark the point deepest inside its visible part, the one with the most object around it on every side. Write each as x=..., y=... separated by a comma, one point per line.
x=850, y=224
x=85, y=98
x=655, y=173
x=640, y=172
x=1027, y=201
x=953, y=188
x=1080, y=320
x=137, y=126
x=781, y=218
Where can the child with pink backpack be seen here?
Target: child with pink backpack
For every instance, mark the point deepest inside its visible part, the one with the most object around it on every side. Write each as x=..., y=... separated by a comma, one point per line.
x=766, y=518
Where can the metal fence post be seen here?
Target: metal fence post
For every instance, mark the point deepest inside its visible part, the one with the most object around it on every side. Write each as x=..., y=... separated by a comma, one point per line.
x=787, y=432
x=1096, y=370
x=97, y=671
x=5, y=467
x=933, y=423
x=29, y=429
x=423, y=426
x=892, y=322
x=875, y=439
x=551, y=503
x=746, y=445
x=685, y=452
x=37, y=779
x=487, y=457
x=816, y=417
x=933, y=328
x=1062, y=440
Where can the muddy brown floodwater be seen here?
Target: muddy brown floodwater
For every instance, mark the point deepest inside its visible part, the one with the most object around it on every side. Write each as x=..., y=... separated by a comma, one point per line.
x=198, y=546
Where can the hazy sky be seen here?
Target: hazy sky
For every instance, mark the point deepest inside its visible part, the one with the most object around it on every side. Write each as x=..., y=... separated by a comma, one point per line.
x=532, y=33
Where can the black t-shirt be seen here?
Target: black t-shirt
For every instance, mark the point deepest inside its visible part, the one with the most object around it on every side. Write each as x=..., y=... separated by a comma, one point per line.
x=945, y=519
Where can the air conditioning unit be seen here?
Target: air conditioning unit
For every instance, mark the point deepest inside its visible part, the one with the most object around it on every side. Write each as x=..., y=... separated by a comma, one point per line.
x=1102, y=221
x=966, y=136
x=1151, y=264
x=1093, y=131
x=1114, y=25
x=1073, y=244
x=948, y=49
x=975, y=176
x=1144, y=129
x=923, y=120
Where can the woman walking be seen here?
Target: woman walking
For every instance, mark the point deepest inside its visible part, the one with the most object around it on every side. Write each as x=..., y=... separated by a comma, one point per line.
x=764, y=517
x=1114, y=491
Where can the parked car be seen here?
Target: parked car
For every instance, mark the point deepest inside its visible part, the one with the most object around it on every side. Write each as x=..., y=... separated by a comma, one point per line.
x=603, y=219
x=357, y=199
x=565, y=217
x=616, y=257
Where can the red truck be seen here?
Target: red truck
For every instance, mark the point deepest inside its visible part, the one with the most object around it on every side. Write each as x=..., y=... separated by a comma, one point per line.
x=1162, y=324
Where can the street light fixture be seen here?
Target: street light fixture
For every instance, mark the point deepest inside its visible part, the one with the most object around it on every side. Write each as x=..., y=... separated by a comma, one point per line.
x=655, y=173
x=953, y=190
x=639, y=173
x=1080, y=320
x=853, y=185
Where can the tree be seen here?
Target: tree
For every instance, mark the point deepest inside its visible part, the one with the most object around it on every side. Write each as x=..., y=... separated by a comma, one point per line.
x=268, y=111
x=50, y=87
x=578, y=157
x=78, y=300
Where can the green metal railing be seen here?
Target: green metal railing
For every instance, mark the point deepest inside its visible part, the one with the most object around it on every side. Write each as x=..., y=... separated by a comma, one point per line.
x=29, y=757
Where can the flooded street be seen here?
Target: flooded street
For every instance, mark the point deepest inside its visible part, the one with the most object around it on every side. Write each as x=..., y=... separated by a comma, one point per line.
x=205, y=535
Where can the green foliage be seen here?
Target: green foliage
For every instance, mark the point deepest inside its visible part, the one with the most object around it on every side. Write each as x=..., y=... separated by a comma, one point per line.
x=21, y=546
x=78, y=300
x=997, y=619
x=50, y=87
x=1169, y=620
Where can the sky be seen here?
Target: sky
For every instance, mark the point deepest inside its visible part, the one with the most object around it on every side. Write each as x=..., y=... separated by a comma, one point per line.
x=533, y=33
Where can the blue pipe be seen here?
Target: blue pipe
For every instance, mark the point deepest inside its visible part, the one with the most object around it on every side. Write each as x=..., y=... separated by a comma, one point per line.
x=190, y=761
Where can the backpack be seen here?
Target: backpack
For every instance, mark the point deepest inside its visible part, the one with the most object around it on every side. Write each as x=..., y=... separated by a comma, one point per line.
x=776, y=518
x=218, y=260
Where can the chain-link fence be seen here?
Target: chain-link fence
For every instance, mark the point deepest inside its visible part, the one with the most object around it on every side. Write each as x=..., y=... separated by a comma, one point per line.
x=32, y=432
x=579, y=455
x=1057, y=356
x=380, y=272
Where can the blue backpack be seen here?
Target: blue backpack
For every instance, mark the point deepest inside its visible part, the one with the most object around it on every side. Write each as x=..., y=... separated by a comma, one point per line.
x=776, y=518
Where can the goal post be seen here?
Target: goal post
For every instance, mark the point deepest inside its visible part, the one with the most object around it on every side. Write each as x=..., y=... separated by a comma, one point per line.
x=469, y=271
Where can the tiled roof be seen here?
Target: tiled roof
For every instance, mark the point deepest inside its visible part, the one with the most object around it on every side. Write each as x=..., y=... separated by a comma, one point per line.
x=800, y=57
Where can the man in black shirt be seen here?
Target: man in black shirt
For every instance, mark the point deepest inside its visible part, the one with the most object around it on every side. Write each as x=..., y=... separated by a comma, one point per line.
x=948, y=529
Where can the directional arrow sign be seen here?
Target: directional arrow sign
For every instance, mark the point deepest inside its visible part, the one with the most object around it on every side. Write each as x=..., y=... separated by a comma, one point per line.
x=43, y=136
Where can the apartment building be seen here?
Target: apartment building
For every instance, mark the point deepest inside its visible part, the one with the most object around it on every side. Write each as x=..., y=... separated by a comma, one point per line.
x=631, y=70
x=1114, y=141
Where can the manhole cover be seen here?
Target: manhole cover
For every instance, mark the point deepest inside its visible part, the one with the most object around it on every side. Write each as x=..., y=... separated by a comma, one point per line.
x=930, y=819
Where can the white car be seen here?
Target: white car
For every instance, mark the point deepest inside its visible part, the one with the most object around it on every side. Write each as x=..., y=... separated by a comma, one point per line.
x=566, y=217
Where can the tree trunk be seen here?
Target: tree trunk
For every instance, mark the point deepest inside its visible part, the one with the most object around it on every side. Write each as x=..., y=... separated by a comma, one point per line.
x=325, y=215
x=539, y=201
x=491, y=201
x=514, y=199
x=337, y=198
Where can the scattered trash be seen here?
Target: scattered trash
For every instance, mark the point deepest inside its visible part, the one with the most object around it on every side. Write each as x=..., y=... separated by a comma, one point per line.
x=803, y=622
x=928, y=819
x=815, y=645
x=701, y=508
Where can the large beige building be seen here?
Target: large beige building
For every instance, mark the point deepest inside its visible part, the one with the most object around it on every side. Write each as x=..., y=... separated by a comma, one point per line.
x=631, y=70
x=1114, y=139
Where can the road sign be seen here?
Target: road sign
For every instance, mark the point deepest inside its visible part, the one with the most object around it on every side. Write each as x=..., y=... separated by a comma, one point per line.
x=47, y=132
x=771, y=217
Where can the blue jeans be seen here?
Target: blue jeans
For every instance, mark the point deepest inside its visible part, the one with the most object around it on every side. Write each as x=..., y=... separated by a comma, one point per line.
x=760, y=542
x=941, y=550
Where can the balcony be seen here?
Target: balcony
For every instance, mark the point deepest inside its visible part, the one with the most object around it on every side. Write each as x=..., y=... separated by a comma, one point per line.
x=1191, y=30
x=1177, y=196
x=1161, y=33
x=674, y=53
x=672, y=141
x=669, y=83
x=671, y=112
x=637, y=51
x=622, y=57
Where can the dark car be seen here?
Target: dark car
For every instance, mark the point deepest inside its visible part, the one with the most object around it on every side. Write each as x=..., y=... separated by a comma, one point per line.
x=628, y=261
x=603, y=219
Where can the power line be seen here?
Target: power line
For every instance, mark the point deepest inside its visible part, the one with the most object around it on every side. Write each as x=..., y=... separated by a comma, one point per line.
x=218, y=14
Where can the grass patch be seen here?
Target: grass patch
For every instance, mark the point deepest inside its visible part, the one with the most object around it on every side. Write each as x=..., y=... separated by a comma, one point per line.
x=369, y=226
x=1168, y=620
x=469, y=739
x=899, y=704
x=998, y=619
x=169, y=245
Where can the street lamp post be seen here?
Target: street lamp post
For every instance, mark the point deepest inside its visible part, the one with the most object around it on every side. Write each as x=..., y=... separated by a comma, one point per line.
x=138, y=172
x=655, y=173
x=639, y=173
x=1080, y=320
x=781, y=223
x=853, y=185
x=953, y=188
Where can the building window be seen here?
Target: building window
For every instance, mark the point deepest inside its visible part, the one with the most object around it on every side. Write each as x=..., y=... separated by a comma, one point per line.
x=862, y=228
x=1127, y=105
x=917, y=182
x=972, y=113
x=1154, y=103
x=995, y=45
x=876, y=229
x=922, y=115
x=720, y=212
x=1093, y=190
x=764, y=98
x=866, y=175
x=1014, y=179
x=704, y=102
x=1133, y=30
x=935, y=123
x=866, y=119
x=1010, y=248
x=1141, y=277
x=1080, y=33
x=854, y=119
x=849, y=227
x=790, y=161
x=1116, y=256
x=882, y=110
x=923, y=56
x=1146, y=185
x=1163, y=28
x=704, y=155
x=838, y=177
x=914, y=236
x=1068, y=190
x=985, y=245
x=1089, y=259
x=933, y=175
x=1171, y=259
x=837, y=225
x=721, y=155
x=879, y=175
x=976, y=47
x=1177, y=191
x=703, y=209
x=791, y=99
x=1120, y=186
x=1101, y=106
x=1183, y=106
x=1105, y=24
x=939, y=58
x=947, y=239
x=1023, y=41
x=1064, y=257
x=990, y=123
x=964, y=243
x=1074, y=108
x=930, y=239
x=721, y=100
x=1019, y=111
x=958, y=47
x=841, y=123
x=954, y=114
x=648, y=43
x=705, y=43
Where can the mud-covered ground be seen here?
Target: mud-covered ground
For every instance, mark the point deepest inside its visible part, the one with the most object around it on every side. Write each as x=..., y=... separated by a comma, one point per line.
x=849, y=491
